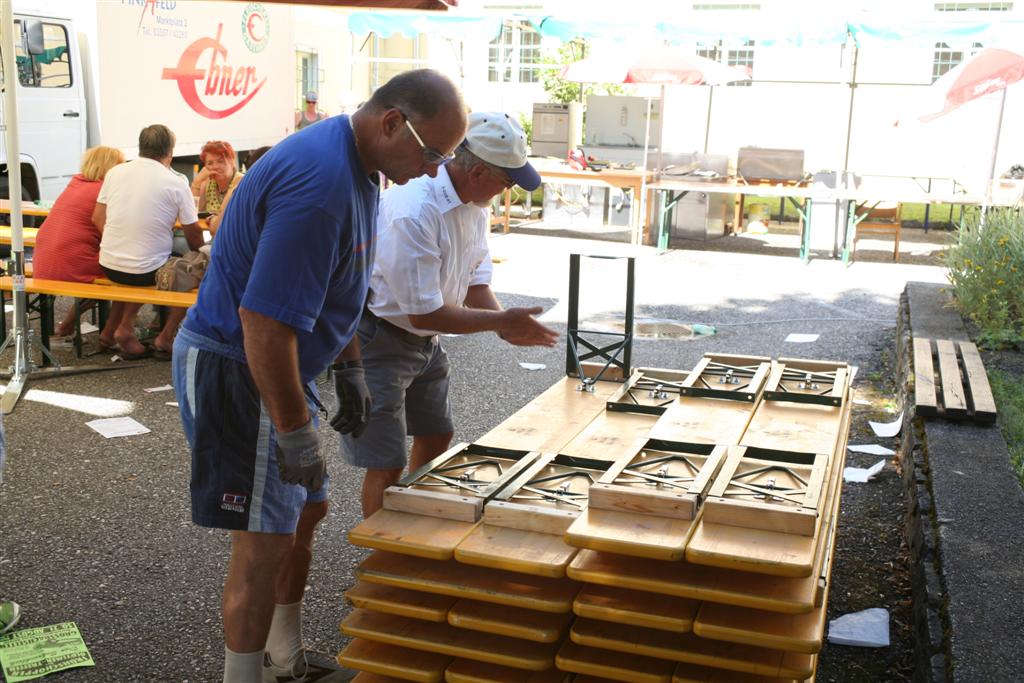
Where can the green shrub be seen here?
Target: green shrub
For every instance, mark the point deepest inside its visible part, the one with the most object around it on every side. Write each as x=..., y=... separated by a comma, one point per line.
x=986, y=268
x=1008, y=389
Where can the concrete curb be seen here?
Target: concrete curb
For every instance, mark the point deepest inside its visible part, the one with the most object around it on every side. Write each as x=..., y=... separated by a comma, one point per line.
x=962, y=526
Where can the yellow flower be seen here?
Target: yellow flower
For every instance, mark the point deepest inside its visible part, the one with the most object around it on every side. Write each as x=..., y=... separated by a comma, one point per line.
x=999, y=282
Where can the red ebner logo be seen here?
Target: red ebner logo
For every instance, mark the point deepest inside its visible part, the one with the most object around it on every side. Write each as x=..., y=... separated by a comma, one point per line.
x=221, y=79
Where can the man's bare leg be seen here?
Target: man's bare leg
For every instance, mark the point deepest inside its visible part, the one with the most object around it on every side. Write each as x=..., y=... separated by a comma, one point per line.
x=374, y=483
x=424, y=449
x=165, y=340
x=284, y=641
x=427, y=447
x=248, y=599
x=125, y=332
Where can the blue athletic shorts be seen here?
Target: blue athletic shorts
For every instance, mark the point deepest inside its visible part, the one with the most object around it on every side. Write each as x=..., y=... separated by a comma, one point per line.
x=235, y=481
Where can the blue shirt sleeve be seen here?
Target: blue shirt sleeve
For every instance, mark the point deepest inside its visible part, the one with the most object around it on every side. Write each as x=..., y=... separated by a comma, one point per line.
x=291, y=272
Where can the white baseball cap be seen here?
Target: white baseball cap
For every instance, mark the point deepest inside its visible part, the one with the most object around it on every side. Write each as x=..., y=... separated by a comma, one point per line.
x=499, y=140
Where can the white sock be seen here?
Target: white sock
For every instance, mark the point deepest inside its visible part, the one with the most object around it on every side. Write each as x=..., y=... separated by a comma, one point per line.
x=242, y=667
x=285, y=638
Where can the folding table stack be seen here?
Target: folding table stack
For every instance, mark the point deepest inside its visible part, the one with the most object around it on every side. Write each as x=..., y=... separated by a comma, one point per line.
x=670, y=527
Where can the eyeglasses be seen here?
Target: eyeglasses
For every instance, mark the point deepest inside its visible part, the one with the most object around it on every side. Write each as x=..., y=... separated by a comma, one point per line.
x=430, y=155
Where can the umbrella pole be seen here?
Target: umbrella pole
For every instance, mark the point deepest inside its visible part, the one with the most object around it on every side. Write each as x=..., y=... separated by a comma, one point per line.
x=707, y=124
x=995, y=153
x=19, y=333
x=638, y=236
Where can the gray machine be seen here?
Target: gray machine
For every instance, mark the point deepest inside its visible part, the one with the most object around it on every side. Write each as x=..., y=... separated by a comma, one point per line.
x=557, y=128
x=827, y=227
x=702, y=215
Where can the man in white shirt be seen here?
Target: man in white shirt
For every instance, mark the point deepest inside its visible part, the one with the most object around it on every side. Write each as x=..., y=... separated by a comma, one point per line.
x=431, y=275
x=135, y=213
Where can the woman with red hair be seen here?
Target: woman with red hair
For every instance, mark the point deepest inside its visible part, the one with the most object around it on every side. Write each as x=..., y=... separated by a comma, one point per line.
x=220, y=173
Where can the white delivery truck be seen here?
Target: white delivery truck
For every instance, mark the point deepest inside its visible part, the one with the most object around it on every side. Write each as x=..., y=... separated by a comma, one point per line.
x=96, y=72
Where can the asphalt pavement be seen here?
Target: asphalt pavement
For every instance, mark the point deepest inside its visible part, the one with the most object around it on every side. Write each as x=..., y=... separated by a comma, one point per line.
x=97, y=531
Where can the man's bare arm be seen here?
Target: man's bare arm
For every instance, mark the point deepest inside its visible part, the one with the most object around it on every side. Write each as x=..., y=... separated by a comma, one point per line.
x=99, y=217
x=515, y=325
x=273, y=354
x=193, y=235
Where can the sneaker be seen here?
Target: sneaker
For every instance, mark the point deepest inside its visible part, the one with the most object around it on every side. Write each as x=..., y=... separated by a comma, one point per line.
x=308, y=666
x=10, y=612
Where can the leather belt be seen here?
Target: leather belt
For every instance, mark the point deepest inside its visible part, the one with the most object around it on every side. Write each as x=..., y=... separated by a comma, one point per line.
x=400, y=332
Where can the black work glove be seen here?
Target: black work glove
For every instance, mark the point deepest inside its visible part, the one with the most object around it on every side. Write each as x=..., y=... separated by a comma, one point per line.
x=298, y=457
x=353, y=398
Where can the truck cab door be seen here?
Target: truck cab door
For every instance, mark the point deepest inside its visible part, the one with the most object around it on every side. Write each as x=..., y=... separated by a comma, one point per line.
x=51, y=110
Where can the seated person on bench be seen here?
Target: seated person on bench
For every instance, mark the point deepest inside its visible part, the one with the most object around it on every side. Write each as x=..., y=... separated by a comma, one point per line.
x=68, y=245
x=136, y=211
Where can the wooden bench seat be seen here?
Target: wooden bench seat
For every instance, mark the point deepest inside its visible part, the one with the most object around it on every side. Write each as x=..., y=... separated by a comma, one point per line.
x=49, y=289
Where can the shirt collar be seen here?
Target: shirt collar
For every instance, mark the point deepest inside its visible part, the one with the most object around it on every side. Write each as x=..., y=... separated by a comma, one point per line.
x=444, y=192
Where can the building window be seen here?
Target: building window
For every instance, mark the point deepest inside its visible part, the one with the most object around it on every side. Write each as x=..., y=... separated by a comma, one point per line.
x=739, y=56
x=514, y=55
x=307, y=66
x=52, y=68
x=946, y=58
x=973, y=6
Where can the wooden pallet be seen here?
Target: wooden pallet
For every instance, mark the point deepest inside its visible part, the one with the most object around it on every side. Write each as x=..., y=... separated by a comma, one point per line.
x=950, y=381
x=466, y=581
x=367, y=677
x=394, y=661
x=444, y=639
x=645, y=504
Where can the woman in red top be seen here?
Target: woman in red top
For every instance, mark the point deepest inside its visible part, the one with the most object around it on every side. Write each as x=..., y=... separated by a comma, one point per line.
x=68, y=244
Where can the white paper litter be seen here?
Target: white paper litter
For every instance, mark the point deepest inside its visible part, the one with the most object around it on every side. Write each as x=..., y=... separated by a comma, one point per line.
x=532, y=366
x=800, y=338
x=887, y=429
x=171, y=403
x=164, y=387
x=872, y=449
x=113, y=427
x=868, y=628
x=861, y=402
x=860, y=475
x=89, y=327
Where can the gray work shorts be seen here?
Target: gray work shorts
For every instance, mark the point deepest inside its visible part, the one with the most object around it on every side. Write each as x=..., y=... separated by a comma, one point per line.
x=408, y=381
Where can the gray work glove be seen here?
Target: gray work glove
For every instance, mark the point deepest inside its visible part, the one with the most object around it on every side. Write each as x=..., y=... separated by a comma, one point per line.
x=298, y=457
x=353, y=398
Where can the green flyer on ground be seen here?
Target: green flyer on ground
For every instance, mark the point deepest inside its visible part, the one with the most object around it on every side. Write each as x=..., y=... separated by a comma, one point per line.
x=34, y=652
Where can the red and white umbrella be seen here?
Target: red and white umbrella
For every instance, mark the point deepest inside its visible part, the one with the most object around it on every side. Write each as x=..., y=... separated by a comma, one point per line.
x=660, y=66
x=989, y=71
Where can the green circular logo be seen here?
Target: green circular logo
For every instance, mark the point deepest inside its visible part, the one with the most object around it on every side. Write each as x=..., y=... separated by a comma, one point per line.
x=255, y=27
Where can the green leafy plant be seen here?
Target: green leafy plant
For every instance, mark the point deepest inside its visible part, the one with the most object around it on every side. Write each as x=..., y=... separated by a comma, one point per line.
x=986, y=268
x=561, y=90
x=1008, y=389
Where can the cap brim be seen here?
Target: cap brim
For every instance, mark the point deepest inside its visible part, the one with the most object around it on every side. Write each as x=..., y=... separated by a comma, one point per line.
x=525, y=177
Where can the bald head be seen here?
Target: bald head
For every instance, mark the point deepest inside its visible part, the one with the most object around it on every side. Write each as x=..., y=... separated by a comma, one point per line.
x=409, y=124
x=421, y=94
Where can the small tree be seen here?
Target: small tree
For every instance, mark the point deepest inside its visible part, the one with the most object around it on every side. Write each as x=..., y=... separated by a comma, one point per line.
x=564, y=91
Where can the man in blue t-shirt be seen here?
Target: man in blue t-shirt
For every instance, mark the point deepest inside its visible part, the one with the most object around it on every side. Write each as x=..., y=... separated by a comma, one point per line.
x=280, y=302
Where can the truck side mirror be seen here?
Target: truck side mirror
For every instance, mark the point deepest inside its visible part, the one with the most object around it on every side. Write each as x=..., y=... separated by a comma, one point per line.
x=35, y=43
